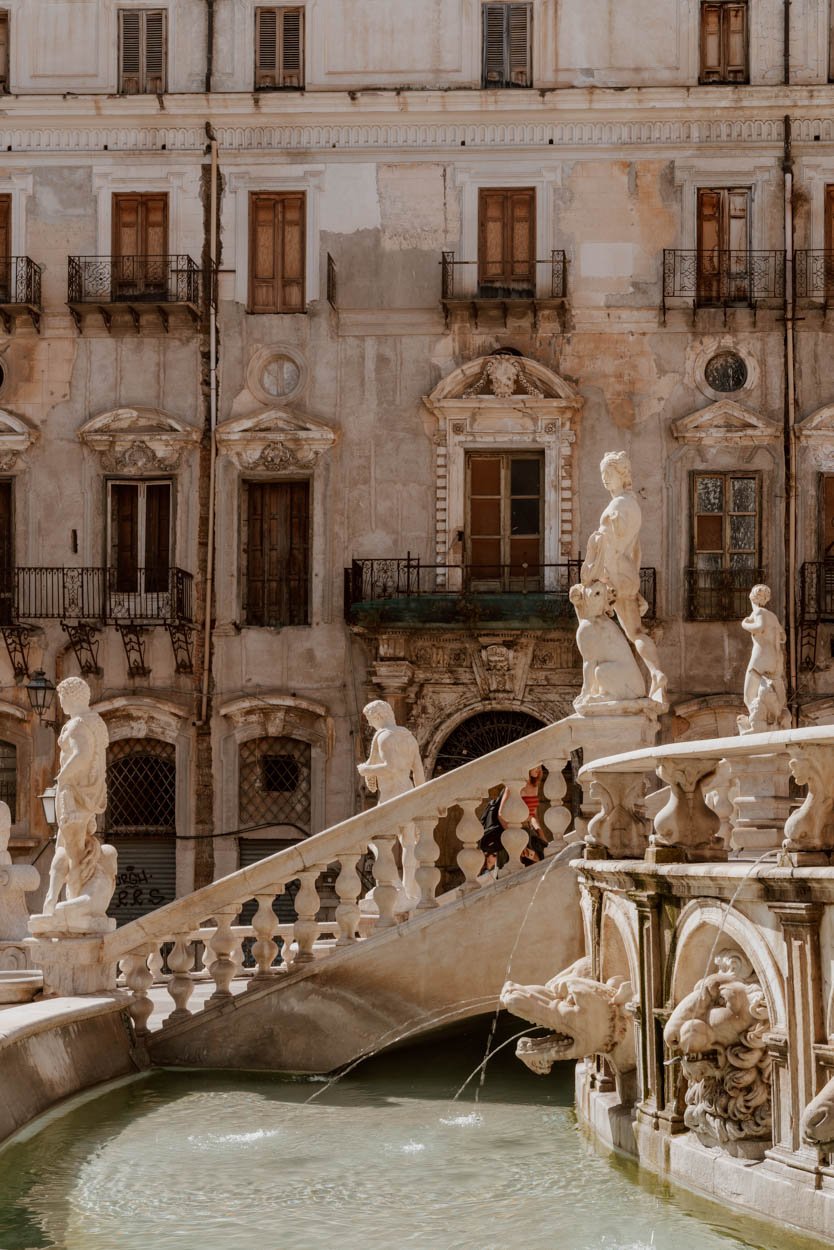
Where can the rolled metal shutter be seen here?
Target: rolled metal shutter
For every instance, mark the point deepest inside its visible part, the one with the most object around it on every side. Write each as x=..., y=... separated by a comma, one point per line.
x=252, y=850
x=146, y=876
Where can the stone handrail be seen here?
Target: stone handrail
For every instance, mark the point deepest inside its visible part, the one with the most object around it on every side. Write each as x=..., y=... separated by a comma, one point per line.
x=137, y=944
x=688, y=827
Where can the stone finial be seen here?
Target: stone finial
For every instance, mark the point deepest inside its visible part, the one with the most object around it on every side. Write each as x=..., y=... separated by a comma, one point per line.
x=765, y=694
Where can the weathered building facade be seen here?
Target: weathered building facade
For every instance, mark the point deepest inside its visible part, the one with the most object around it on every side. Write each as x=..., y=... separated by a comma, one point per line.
x=317, y=319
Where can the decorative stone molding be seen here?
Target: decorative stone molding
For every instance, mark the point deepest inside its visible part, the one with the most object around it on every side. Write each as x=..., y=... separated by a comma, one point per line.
x=274, y=440
x=16, y=437
x=280, y=715
x=717, y=345
x=815, y=434
x=127, y=716
x=725, y=422
x=505, y=402
x=138, y=440
x=276, y=374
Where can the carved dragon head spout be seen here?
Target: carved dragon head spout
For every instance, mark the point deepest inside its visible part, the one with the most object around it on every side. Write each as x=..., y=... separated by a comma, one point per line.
x=719, y=1031
x=584, y=1017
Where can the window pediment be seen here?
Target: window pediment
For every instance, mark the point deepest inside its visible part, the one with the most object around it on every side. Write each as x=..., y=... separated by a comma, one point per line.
x=723, y=423
x=274, y=440
x=138, y=440
x=16, y=437
x=280, y=715
x=819, y=426
x=491, y=386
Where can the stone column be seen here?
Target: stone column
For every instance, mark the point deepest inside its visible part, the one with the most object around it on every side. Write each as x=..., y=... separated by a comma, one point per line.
x=650, y=1059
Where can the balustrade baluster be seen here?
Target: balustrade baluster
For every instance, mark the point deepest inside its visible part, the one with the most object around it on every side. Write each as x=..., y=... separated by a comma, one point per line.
x=685, y=829
x=427, y=851
x=515, y=812
x=557, y=817
x=156, y=964
x=139, y=979
x=470, y=857
x=222, y=944
x=180, y=983
x=348, y=885
x=305, y=929
x=386, y=878
x=264, y=948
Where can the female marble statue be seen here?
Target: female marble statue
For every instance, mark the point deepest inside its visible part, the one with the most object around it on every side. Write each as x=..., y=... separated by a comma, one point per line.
x=613, y=557
x=765, y=695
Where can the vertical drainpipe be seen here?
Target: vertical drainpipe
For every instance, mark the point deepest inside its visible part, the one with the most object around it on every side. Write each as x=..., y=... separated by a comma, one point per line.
x=790, y=421
x=212, y=425
x=209, y=44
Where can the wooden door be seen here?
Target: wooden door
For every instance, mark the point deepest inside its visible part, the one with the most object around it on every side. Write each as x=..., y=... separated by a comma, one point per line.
x=507, y=243
x=504, y=521
x=140, y=246
x=277, y=558
x=157, y=537
x=723, y=245
x=828, y=258
x=6, y=293
x=124, y=536
x=277, y=252
x=827, y=517
x=6, y=553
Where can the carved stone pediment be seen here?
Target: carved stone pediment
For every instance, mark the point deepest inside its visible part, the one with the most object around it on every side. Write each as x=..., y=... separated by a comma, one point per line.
x=138, y=440
x=726, y=422
x=819, y=426
x=274, y=439
x=16, y=437
x=493, y=385
x=280, y=715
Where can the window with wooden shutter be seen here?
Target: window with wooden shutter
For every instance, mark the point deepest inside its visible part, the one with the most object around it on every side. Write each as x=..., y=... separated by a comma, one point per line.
x=4, y=51
x=6, y=555
x=140, y=537
x=507, y=243
x=5, y=249
x=142, y=51
x=277, y=249
x=724, y=39
x=504, y=521
x=277, y=553
x=507, y=45
x=723, y=245
x=140, y=246
x=279, y=48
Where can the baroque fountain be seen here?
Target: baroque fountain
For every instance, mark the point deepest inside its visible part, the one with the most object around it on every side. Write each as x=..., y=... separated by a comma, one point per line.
x=192, y=1080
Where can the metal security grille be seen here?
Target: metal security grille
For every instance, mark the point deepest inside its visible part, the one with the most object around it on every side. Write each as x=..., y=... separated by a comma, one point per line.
x=485, y=732
x=141, y=785
x=275, y=782
x=8, y=777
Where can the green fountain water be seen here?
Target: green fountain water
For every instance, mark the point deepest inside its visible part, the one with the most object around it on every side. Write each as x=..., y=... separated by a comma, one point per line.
x=382, y=1159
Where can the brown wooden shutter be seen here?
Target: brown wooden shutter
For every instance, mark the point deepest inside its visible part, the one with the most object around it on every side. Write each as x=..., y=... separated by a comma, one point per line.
x=711, y=61
x=140, y=242
x=143, y=51
x=522, y=242
x=507, y=241
x=266, y=48
x=724, y=41
x=709, y=244
x=4, y=51
x=519, y=17
x=491, y=237
x=157, y=536
x=735, y=42
x=6, y=552
x=5, y=249
x=738, y=226
x=124, y=532
x=494, y=45
x=277, y=252
x=130, y=42
x=279, y=47
x=155, y=38
x=277, y=553
x=292, y=48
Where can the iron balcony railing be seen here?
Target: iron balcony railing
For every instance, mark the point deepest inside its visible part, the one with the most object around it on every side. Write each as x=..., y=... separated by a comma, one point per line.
x=378, y=580
x=719, y=594
x=814, y=275
x=96, y=594
x=458, y=282
x=20, y=281
x=713, y=277
x=135, y=280
x=816, y=591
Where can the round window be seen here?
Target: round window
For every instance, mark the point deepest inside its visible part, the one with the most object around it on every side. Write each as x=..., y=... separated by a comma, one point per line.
x=280, y=376
x=726, y=372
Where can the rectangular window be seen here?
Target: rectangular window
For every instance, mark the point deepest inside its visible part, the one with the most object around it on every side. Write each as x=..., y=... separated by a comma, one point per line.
x=6, y=554
x=507, y=45
x=507, y=243
x=139, y=538
x=725, y=543
x=724, y=245
x=277, y=246
x=140, y=245
x=142, y=51
x=6, y=249
x=277, y=546
x=279, y=48
x=826, y=514
x=504, y=521
x=723, y=41
x=4, y=51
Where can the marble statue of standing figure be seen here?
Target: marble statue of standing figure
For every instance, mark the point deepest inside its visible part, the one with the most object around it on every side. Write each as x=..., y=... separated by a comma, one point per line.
x=613, y=557
x=765, y=693
x=392, y=767
x=83, y=867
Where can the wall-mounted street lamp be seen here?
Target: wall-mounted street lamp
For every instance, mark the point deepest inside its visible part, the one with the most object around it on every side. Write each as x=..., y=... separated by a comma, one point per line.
x=41, y=694
x=48, y=801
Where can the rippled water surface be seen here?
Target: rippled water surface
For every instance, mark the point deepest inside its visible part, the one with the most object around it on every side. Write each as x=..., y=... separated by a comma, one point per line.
x=382, y=1159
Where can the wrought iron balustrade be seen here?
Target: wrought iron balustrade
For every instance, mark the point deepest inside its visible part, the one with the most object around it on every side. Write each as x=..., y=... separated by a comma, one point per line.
x=96, y=594
x=549, y=280
x=816, y=591
x=721, y=277
x=20, y=281
x=720, y=594
x=135, y=280
x=814, y=275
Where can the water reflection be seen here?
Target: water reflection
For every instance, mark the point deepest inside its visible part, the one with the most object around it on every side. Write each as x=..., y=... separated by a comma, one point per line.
x=382, y=1159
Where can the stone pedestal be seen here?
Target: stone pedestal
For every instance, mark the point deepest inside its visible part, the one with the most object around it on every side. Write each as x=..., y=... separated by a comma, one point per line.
x=72, y=965
x=611, y=729
x=761, y=804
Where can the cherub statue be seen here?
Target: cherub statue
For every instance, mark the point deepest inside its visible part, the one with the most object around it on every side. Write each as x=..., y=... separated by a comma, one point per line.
x=613, y=557
x=765, y=694
x=83, y=867
x=392, y=767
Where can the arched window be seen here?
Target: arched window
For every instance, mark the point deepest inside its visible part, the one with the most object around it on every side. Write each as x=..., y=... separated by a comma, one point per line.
x=482, y=733
x=8, y=777
x=274, y=785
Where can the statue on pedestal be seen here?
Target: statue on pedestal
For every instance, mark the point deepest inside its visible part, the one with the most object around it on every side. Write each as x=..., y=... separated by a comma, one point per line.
x=83, y=867
x=16, y=881
x=392, y=767
x=765, y=694
x=612, y=562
